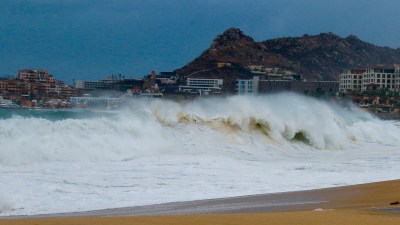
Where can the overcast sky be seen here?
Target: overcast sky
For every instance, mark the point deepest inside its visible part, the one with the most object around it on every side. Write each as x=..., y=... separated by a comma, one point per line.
x=91, y=39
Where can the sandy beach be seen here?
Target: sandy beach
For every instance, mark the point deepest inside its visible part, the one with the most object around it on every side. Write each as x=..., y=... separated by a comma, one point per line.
x=357, y=204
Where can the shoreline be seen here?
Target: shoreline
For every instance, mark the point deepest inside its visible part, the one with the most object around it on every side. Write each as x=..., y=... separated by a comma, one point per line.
x=355, y=204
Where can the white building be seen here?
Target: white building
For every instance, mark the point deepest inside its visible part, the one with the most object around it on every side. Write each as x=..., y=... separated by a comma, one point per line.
x=203, y=82
x=377, y=77
x=397, y=77
x=203, y=86
x=351, y=80
x=247, y=87
x=92, y=85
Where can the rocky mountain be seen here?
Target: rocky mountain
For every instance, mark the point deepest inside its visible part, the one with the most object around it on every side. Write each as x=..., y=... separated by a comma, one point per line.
x=324, y=56
x=318, y=57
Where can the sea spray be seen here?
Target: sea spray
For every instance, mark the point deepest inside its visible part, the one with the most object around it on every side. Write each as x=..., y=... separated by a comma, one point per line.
x=156, y=151
x=5, y=206
x=164, y=127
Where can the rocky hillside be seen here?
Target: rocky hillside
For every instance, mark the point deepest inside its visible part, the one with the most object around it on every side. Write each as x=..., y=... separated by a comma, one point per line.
x=319, y=57
x=324, y=56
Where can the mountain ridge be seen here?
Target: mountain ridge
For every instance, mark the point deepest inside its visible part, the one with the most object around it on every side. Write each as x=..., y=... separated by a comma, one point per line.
x=316, y=57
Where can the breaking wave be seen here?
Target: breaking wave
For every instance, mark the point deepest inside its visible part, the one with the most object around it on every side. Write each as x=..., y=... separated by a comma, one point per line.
x=253, y=125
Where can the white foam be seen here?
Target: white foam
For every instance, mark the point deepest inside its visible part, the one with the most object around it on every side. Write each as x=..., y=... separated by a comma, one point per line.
x=161, y=151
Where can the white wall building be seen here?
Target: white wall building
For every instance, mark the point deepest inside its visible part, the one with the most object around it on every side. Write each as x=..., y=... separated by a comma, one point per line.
x=397, y=77
x=203, y=82
x=380, y=77
x=92, y=85
x=247, y=87
x=351, y=80
x=203, y=86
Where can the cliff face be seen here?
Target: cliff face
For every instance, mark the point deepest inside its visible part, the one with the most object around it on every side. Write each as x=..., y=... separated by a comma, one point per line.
x=319, y=57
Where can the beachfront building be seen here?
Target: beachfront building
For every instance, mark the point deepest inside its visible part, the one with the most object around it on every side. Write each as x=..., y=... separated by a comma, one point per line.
x=95, y=85
x=351, y=80
x=36, y=76
x=301, y=87
x=382, y=76
x=14, y=89
x=247, y=86
x=375, y=77
x=34, y=85
x=264, y=86
x=397, y=77
x=202, y=86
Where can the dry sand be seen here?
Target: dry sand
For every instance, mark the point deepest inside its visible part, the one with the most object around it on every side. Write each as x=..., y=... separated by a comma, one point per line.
x=359, y=204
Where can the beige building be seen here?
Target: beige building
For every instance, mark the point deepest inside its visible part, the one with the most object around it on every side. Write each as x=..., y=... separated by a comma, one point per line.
x=379, y=77
x=351, y=80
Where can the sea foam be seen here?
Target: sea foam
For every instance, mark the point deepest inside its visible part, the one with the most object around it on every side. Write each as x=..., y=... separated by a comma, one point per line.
x=163, y=127
x=162, y=151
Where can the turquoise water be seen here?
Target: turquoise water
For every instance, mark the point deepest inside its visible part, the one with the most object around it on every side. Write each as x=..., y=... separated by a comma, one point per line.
x=52, y=114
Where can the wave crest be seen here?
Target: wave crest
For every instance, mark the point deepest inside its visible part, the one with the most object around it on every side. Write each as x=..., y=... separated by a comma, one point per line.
x=164, y=127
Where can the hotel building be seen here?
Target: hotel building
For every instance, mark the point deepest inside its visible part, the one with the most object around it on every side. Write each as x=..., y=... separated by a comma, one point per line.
x=203, y=86
x=264, y=86
x=376, y=77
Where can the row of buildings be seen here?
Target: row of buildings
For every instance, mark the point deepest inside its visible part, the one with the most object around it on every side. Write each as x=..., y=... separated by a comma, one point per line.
x=273, y=80
x=263, y=81
x=258, y=85
x=39, y=85
x=151, y=82
x=370, y=78
x=34, y=84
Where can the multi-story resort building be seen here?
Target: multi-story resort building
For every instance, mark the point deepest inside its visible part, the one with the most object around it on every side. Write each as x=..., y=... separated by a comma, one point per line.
x=247, y=87
x=264, y=86
x=36, y=76
x=203, y=86
x=34, y=84
x=95, y=85
x=351, y=79
x=375, y=77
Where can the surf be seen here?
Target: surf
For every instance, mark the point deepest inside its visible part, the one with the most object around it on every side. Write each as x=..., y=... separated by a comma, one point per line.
x=164, y=127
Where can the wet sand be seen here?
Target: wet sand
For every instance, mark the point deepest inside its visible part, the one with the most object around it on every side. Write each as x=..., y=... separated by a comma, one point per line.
x=358, y=204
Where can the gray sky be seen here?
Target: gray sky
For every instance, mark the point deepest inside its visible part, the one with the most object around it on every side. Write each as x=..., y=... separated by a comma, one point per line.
x=91, y=39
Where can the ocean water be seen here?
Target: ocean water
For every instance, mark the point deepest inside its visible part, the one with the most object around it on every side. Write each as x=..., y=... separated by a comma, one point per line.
x=161, y=151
